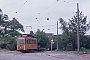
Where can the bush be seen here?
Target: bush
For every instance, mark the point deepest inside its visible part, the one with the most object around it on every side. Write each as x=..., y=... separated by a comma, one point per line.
x=9, y=43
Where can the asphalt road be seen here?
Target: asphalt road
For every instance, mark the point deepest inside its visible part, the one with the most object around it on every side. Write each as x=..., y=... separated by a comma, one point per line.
x=15, y=55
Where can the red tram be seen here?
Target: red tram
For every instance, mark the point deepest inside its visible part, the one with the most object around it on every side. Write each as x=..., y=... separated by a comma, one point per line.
x=26, y=43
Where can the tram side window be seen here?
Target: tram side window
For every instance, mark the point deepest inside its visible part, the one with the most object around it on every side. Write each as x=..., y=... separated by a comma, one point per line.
x=33, y=41
x=20, y=41
x=27, y=41
x=30, y=41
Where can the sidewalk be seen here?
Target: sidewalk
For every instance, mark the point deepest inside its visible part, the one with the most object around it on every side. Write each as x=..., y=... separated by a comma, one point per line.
x=67, y=54
x=52, y=53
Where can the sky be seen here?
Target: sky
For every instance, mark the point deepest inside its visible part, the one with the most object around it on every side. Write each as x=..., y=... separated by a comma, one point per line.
x=34, y=13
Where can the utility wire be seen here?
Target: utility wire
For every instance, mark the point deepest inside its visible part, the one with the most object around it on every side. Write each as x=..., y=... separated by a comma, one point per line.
x=11, y=3
x=69, y=5
x=15, y=3
x=47, y=25
x=47, y=8
x=22, y=5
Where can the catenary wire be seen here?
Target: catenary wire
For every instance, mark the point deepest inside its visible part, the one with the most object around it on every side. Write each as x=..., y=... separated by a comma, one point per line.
x=11, y=4
x=47, y=8
x=22, y=5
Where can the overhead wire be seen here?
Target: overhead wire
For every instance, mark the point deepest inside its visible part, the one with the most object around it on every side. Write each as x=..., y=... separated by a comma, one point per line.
x=47, y=25
x=69, y=5
x=51, y=6
x=22, y=6
x=11, y=4
x=54, y=4
x=46, y=9
x=27, y=1
x=15, y=3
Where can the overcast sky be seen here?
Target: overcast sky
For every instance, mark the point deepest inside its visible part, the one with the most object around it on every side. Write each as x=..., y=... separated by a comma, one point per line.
x=35, y=12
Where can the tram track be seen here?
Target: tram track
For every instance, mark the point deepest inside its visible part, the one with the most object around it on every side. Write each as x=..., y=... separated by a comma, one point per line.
x=18, y=53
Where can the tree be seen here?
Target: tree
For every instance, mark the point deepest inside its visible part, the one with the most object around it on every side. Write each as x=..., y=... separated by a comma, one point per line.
x=43, y=40
x=12, y=27
x=8, y=42
x=55, y=39
x=15, y=25
x=0, y=14
x=10, y=24
x=83, y=26
x=11, y=31
x=70, y=28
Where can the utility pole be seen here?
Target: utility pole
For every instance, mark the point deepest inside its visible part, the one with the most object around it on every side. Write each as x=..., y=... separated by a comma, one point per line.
x=57, y=35
x=78, y=41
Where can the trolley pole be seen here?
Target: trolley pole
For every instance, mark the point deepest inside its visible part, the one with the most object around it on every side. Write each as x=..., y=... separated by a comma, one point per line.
x=57, y=35
x=78, y=41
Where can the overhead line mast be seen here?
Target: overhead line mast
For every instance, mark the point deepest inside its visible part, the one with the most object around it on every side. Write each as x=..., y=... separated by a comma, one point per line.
x=78, y=38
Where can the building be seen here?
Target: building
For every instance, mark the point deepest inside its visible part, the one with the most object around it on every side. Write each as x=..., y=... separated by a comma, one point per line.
x=50, y=35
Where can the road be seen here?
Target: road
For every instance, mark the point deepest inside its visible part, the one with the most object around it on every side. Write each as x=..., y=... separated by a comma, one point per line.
x=14, y=55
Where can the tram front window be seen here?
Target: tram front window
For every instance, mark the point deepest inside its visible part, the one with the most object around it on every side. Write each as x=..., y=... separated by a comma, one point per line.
x=20, y=41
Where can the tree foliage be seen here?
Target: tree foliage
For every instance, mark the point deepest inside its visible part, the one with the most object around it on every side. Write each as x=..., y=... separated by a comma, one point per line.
x=43, y=40
x=8, y=42
x=70, y=29
x=10, y=32
x=83, y=25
